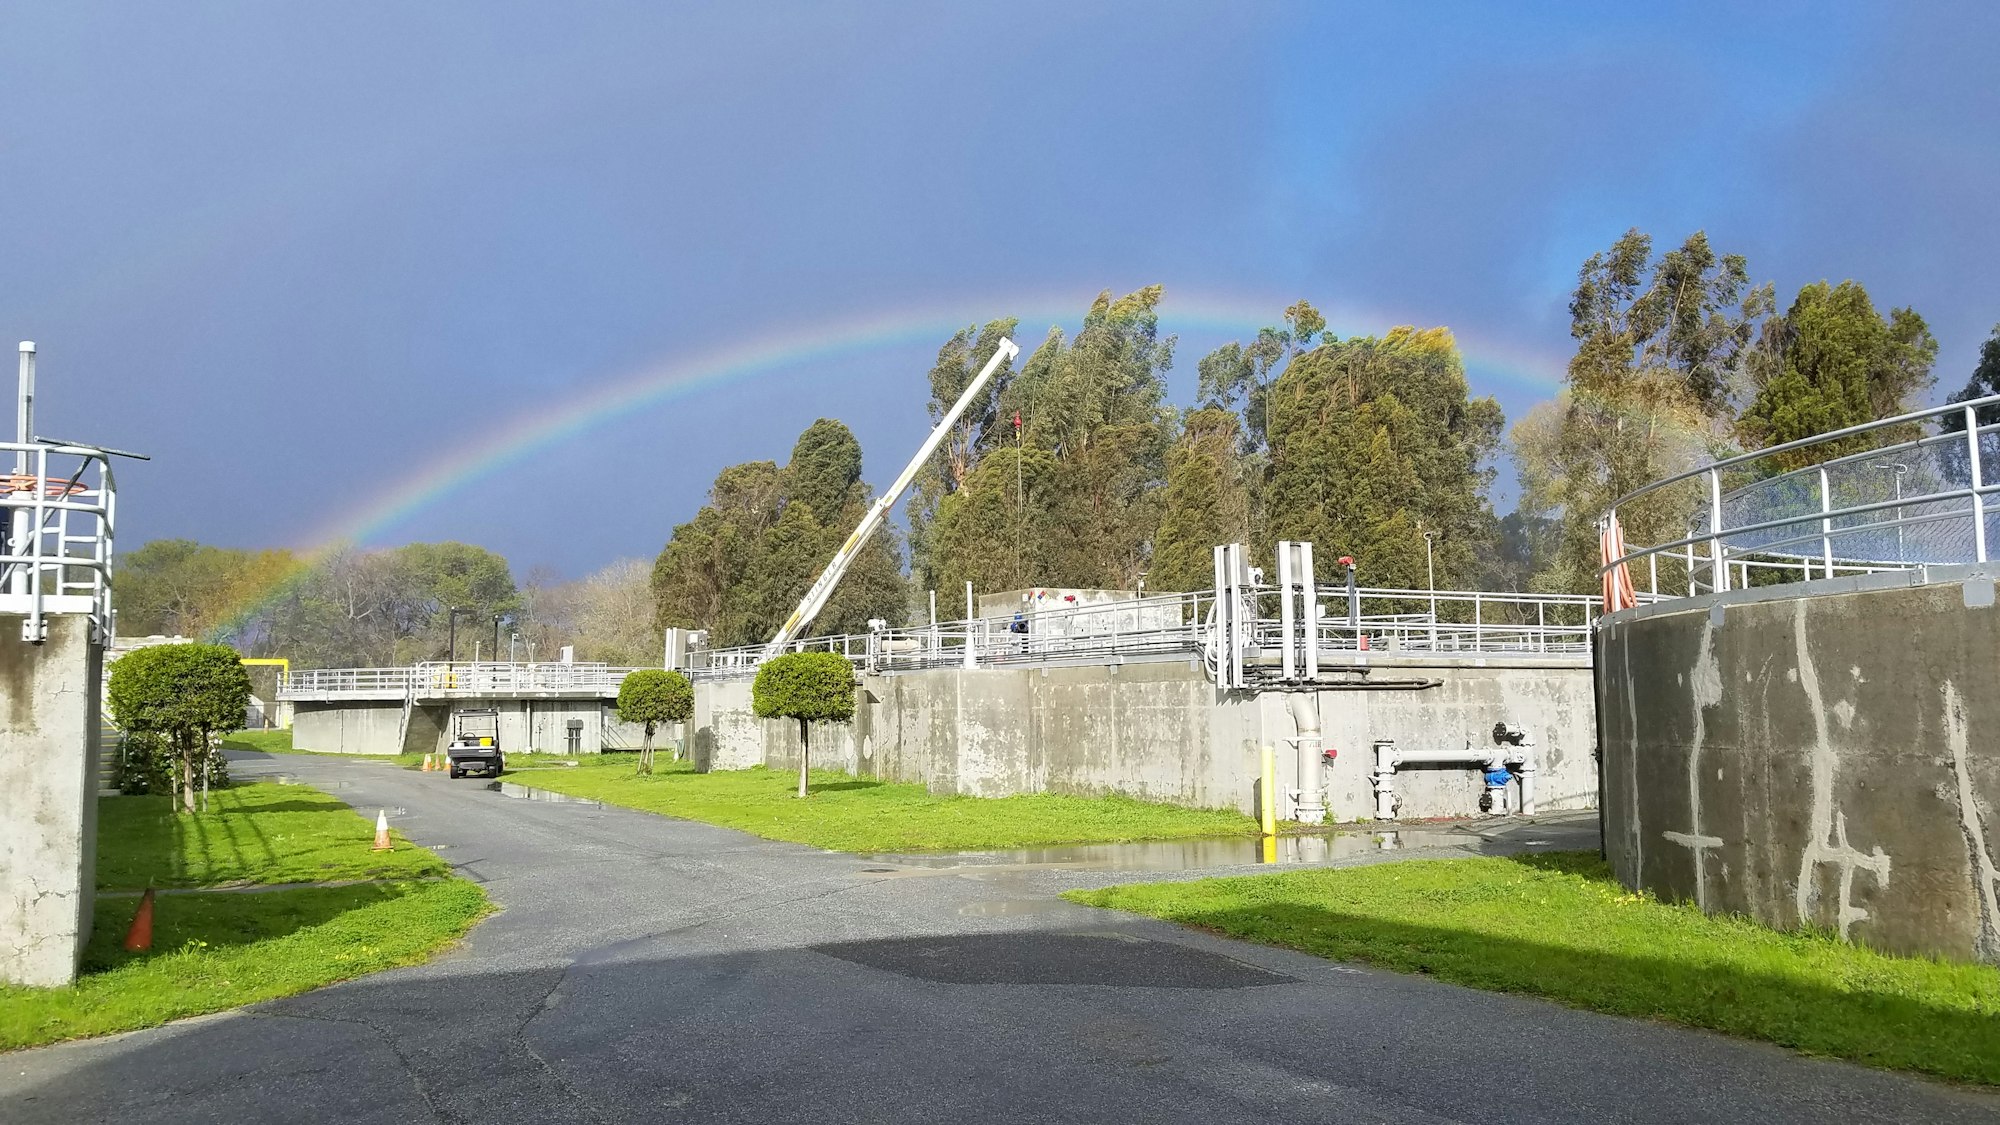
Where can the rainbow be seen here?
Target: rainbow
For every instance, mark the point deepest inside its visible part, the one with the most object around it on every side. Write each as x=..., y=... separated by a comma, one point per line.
x=653, y=384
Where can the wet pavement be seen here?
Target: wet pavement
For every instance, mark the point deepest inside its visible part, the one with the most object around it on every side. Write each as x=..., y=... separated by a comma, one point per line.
x=1560, y=831
x=642, y=968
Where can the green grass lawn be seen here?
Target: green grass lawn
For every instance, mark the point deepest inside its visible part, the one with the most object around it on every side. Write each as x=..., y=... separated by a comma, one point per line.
x=853, y=814
x=258, y=833
x=1559, y=926
x=221, y=949
x=268, y=741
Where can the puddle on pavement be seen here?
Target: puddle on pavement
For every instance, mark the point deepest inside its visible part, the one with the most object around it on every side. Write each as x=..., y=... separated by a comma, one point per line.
x=530, y=793
x=1194, y=855
x=293, y=779
x=1003, y=907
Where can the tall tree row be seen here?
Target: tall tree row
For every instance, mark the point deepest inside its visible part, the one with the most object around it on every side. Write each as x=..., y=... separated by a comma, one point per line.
x=1070, y=497
x=1376, y=442
x=1648, y=394
x=746, y=559
x=348, y=608
x=1680, y=360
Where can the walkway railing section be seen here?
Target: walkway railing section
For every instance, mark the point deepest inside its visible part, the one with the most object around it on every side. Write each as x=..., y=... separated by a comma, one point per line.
x=1451, y=622
x=57, y=508
x=1905, y=492
x=439, y=679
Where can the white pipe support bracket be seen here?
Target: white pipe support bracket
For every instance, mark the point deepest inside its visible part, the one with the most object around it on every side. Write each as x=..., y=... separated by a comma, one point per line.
x=1385, y=780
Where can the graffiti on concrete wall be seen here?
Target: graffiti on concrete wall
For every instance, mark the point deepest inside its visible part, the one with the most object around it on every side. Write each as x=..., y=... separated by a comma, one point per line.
x=1985, y=877
x=1827, y=827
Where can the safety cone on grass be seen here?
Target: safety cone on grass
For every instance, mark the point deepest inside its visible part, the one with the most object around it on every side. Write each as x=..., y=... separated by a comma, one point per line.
x=382, y=843
x=139, y=938
x=427, y=763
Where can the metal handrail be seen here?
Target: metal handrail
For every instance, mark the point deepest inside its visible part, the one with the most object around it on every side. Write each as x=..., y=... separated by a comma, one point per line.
x=56, y=555
x=1708, y=526
x=1170, y=624
x=461, y=678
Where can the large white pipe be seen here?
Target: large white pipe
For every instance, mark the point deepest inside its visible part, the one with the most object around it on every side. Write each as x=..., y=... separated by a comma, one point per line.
x=1304, y=707
x=17, y=527
x=1388, y=758
x=24, y=412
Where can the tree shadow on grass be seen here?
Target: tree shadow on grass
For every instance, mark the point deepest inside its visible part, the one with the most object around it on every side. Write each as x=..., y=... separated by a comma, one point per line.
x=221, y=918
x=842, y=786
x=143, y=841
x=1879, y=1028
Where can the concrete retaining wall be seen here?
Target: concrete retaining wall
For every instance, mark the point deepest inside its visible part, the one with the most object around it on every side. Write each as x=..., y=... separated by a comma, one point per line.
x=1161, y=731
x=49, y=711
x=1827, y=760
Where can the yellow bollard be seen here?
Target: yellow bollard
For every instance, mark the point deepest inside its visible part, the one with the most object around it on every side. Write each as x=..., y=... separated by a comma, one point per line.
x=1267, y=797
x=1270, y=849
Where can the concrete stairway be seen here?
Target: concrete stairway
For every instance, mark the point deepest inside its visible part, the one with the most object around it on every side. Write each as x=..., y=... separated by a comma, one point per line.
x=108, y=736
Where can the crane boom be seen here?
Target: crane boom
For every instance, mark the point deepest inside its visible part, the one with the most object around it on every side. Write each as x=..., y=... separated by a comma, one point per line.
x=822, y=587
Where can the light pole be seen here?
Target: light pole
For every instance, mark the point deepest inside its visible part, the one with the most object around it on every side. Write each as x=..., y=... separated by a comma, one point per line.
x=451, y=646
x=513, y=643
x=1431, y=582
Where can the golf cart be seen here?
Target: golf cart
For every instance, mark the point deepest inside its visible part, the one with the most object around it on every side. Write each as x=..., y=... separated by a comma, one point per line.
x=475, y=743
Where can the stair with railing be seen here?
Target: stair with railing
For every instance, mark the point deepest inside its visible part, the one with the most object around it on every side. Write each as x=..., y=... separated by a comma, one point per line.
x=109, y=738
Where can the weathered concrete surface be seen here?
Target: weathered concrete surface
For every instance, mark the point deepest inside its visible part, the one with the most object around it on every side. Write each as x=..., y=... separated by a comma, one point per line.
x=371, y=726
x=1161, y=731
x=1550, y=698
x=49, y=711
x=1827, y=760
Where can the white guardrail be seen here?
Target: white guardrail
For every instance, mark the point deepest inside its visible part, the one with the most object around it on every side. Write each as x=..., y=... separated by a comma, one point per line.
x=1883, y=496
x=440, y=679
x=57, y=508
x=1448, y=622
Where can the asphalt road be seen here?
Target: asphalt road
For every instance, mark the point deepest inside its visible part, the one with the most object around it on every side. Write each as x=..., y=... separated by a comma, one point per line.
x=646, y=969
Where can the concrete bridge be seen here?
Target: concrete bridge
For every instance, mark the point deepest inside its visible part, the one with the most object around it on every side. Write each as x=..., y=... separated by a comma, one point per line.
x=554, y=707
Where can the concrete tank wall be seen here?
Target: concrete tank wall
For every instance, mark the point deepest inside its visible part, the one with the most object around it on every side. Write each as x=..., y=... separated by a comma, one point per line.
x=49, y=718
x=1161, y=731
x=1827, y=760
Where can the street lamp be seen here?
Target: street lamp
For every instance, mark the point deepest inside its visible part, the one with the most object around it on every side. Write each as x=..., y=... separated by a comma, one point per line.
x=513, y=642
x=451, y=646
x=1431, y=580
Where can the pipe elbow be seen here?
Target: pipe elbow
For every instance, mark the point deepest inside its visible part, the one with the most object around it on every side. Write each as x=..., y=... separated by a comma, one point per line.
x=1304, y=708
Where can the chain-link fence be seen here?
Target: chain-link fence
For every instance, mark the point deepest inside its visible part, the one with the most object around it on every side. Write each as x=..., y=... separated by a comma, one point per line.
x=1915, y=490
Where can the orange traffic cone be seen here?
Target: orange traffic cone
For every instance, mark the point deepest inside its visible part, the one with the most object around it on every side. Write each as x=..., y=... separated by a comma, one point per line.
x=427, y=763
x=382, y=843
x=139, y=938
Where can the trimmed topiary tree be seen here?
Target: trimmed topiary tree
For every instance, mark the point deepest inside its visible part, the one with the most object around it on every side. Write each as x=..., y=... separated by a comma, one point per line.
x=807, y=686
x=653, y=696
x=183, y=693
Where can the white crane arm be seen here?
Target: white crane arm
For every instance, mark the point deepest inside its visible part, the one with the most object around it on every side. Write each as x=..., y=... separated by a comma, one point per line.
x=823, y=586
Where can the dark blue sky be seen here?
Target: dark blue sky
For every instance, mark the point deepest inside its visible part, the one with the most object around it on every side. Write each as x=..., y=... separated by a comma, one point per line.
x=302, y=253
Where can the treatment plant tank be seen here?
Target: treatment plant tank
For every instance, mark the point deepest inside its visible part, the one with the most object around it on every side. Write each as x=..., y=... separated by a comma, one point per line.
x=1800, y=720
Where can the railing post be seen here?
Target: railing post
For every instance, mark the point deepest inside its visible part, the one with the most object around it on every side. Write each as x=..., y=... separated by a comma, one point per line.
x=1978, y=501
x=1825, y=524
x=1717, y=569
